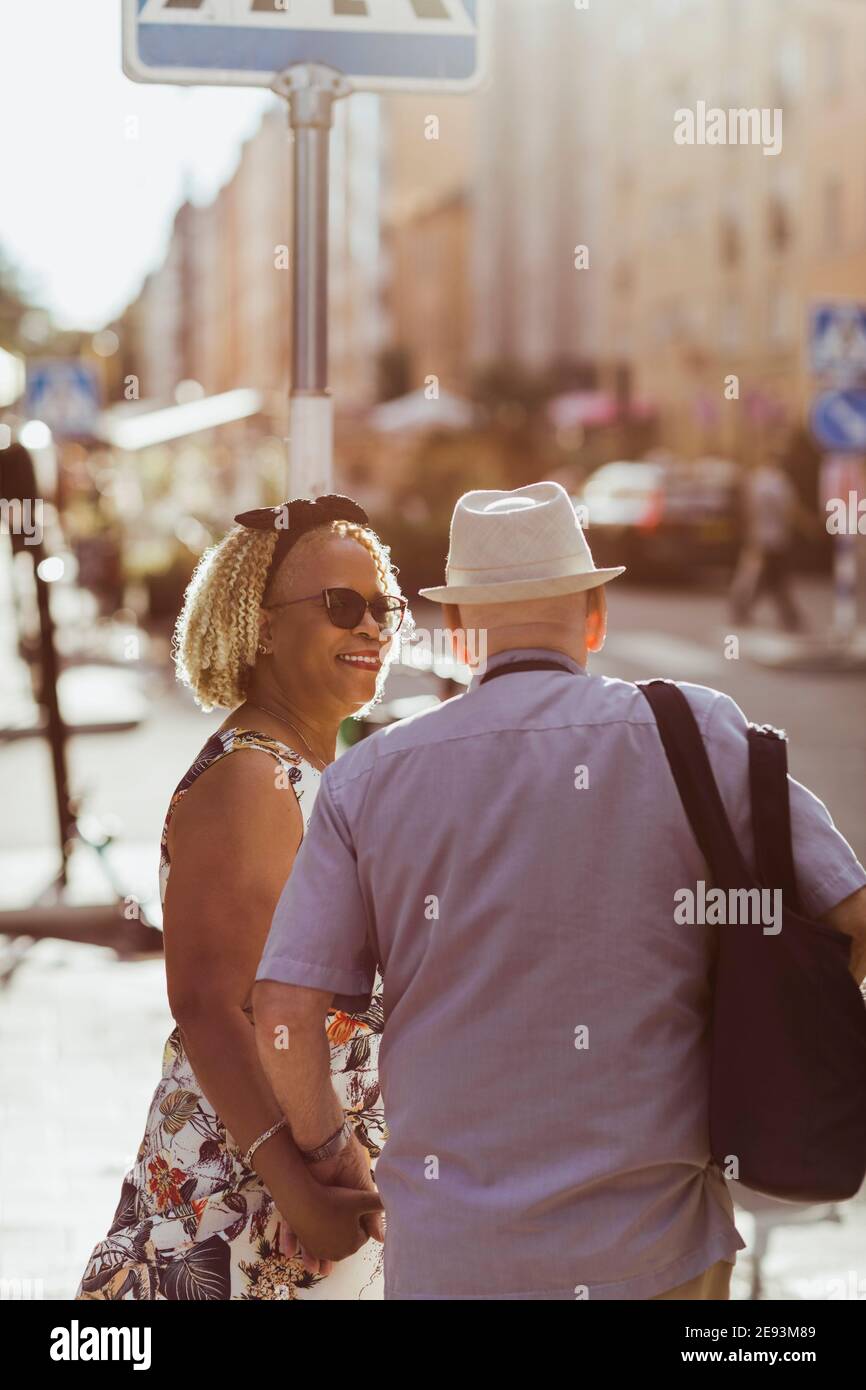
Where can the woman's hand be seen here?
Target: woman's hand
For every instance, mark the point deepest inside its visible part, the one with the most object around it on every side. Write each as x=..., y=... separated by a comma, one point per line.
x=349, y=1172
x=334, y=1226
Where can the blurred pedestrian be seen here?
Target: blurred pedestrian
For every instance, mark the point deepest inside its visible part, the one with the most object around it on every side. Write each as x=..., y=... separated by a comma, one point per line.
x=772, y=516
x=288, y=622
x=511, y=859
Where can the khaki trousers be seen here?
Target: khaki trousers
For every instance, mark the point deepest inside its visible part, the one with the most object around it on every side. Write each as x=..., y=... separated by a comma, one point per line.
x=714, y=1283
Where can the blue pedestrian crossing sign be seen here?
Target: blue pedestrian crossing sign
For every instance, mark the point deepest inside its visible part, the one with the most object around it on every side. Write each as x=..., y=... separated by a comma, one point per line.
x=380, y=45
x=837, y=341
x=65, y=394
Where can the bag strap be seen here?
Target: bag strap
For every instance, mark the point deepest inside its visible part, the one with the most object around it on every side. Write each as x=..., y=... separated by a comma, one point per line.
x=539, y=665
x=771, y=811
x=699, y=793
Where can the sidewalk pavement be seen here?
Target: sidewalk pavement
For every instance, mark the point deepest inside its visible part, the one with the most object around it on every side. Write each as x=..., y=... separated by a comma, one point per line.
x=82, y=1036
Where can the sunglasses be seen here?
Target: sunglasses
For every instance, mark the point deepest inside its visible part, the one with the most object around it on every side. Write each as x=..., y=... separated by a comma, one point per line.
x=346, y=608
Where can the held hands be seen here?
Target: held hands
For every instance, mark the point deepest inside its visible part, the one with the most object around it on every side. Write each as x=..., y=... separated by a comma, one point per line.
x=351, y=1169
x=344, y=1210
x=332, y=1230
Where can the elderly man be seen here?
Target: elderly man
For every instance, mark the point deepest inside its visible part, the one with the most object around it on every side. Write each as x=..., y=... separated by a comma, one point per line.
x=510, y=859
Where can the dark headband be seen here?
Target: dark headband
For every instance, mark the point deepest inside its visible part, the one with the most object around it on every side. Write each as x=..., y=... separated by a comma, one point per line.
x=291, y=520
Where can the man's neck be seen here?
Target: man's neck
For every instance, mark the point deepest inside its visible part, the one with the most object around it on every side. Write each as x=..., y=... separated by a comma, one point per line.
x=542, y=636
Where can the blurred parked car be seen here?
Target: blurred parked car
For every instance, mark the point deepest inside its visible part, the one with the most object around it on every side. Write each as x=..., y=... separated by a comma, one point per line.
x=663, y=517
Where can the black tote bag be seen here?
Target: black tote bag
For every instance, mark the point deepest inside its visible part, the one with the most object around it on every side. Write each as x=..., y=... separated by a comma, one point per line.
x=788, y=1043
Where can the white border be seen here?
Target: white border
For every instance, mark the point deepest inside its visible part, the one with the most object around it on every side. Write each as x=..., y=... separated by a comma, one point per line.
x=216, y=77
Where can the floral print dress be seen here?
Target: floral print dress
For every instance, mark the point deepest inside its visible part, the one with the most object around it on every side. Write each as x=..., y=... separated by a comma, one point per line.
x=193, y=1221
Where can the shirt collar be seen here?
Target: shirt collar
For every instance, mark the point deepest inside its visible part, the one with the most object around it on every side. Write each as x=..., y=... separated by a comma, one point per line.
x=506, y=658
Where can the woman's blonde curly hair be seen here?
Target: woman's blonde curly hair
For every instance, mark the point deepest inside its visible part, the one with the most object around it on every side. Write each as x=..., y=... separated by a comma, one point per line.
x=217, y=634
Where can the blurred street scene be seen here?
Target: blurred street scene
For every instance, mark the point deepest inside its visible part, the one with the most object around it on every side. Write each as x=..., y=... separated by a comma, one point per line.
x=533, y=280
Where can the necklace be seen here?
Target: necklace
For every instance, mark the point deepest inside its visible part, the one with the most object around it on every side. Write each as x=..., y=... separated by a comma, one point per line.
x=281, y=718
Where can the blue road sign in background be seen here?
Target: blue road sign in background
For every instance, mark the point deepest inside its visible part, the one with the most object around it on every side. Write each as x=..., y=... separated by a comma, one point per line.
x=839, y=421
x=65, y=394
x=378, y=44
x=837, y=341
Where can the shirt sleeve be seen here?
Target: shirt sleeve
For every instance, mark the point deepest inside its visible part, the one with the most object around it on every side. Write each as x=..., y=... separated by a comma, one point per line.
x=827, y=869
x=319, y=933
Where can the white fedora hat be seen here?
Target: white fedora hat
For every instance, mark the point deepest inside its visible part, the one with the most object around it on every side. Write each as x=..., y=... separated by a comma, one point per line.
x=522, y=544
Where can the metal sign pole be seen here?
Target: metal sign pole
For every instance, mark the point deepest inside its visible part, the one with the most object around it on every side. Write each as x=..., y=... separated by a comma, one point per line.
x=311, y=90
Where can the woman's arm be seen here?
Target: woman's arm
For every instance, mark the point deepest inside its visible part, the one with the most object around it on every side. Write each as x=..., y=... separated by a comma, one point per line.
x=233, y=841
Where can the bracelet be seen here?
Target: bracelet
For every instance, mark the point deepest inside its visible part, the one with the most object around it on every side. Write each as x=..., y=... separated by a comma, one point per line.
x=331, y=1147
x=268, y=1134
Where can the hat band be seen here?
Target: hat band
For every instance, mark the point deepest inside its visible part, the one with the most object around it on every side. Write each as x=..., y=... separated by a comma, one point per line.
x=561, y=568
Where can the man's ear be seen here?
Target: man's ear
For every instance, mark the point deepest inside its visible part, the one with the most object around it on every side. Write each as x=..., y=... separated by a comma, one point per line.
x=596, y=619
x=453, y=623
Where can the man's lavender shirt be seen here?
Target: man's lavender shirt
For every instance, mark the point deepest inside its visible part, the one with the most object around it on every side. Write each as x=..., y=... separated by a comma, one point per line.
x=511, y=908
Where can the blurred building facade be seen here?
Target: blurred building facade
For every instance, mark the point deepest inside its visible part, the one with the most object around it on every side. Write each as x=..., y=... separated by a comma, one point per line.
x=427, y=216
x=552, y=217
x=702, y=260
x=217, y=310
x=537, y=189
x=717, y=252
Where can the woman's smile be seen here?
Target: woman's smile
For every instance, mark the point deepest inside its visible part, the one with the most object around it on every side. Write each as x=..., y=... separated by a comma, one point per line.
x=368, y=661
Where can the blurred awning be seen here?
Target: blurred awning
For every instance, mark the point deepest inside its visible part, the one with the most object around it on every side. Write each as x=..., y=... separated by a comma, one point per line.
x=417, y=412
x=135, y=425
x=576, y=409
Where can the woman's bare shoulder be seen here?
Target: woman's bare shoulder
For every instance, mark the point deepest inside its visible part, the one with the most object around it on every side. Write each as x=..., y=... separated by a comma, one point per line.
x=244, y=797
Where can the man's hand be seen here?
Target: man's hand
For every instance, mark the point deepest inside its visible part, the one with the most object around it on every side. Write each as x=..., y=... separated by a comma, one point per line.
x=351, y=1168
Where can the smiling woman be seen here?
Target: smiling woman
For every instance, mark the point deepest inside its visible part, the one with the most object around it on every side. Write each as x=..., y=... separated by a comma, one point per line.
x=269, y=564
x=288, y=621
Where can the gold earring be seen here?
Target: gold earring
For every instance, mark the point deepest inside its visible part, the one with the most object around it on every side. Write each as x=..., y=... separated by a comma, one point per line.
x=262, y=650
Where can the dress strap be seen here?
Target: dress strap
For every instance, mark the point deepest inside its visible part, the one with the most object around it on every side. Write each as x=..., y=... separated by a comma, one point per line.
x=234, y=739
